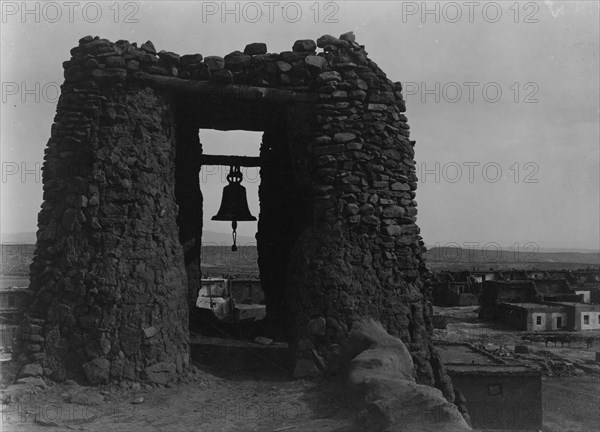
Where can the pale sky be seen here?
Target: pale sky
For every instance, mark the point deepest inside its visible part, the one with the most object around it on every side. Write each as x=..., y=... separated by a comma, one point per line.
x=502, y=100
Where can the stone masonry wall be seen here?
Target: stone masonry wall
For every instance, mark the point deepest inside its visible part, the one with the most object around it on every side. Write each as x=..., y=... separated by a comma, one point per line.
x=362, y=255
x=108, y=273
x=109, y=265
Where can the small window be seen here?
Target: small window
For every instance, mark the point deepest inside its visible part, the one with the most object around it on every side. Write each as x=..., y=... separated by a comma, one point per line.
x=586, y=319
x=538, y=320
x=494, y=389
x=558, y=322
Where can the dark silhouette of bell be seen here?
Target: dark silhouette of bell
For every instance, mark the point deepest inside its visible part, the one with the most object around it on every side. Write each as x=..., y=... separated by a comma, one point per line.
x=234, y=205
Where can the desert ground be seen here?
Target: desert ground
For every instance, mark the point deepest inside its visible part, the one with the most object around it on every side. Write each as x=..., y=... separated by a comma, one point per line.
x=211, y=398
x=236, y=387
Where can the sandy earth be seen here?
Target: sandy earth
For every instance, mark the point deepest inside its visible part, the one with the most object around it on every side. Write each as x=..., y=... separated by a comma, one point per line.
x=571, y=404
x=207, y=403
x=225, y=396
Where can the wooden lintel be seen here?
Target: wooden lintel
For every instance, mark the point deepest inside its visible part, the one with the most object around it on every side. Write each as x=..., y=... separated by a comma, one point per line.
x=242, y=161
x=230, y=91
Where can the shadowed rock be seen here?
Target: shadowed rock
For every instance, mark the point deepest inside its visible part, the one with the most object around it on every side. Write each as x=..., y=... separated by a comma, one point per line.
x=381, y=377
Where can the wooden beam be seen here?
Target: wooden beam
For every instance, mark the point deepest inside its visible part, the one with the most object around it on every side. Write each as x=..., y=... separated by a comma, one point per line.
x=242, y=161
x=230, y=91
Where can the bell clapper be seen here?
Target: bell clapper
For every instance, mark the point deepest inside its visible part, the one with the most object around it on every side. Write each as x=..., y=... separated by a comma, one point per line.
x=234, y=234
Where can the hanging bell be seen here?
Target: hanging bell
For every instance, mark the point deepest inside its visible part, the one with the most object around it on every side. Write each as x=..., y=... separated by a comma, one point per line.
x=234, y=205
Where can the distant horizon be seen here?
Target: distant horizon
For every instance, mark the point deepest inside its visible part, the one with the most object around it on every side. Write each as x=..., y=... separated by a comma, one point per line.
x=480, y=246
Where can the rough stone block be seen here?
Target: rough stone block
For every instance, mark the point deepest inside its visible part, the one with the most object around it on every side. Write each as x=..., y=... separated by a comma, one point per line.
x=344, y=137
x=237, y=59
x=304, y=45
x=97, y=370
x=348, y=37
x=255, y=48
x=190, y=59
x=115, y=62
x=222, y=76
x=398, y=186
x=316, y=62
x=351, y=209
x=392, y=230
x=148, y=46
x=150, y=332
x=32, y=369
x=376, y=107
x=109, y=75
x=329, y=41
x=161, y=373
x=116, y=368
x=305, y=369
x=330, y=76
x=214, y=63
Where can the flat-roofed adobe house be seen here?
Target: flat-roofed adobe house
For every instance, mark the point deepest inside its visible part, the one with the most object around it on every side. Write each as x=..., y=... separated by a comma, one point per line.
x=534, y=317
x=537, y=274
x=13, y=301
x=499, y=396
x=550, y=316
x=555, y=290
x=495, y=292
x=581, y=316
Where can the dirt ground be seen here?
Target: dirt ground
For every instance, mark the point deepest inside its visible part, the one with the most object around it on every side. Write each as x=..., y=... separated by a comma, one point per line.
x=571, y=404
x=225, y=394
x=207, y=403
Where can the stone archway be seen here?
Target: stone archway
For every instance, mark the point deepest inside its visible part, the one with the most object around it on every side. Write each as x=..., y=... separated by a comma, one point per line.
x=118, y=240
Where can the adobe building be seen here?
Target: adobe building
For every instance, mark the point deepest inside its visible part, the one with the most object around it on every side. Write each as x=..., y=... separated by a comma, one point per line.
x=498, y=395
x=550, y=316
x=116, y=266
x=13, y=301
x=495, y=292
x=555, y=290
x=455, y=294
x=533, y=317
x=581, y=316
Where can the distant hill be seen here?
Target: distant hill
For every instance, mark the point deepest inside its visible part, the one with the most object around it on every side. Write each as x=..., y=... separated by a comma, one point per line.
x=458, y=258
x=211, y=238
x=217, y=258
x=497, y=255
x=214, y=238
x=219, y=261
x=28, y=237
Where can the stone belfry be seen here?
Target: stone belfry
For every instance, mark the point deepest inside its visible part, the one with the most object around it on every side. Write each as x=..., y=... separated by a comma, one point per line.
x=116, y=263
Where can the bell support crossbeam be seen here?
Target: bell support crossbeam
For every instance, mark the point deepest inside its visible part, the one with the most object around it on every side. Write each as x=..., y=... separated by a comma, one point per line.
x=234, y=91
x=242, y=161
